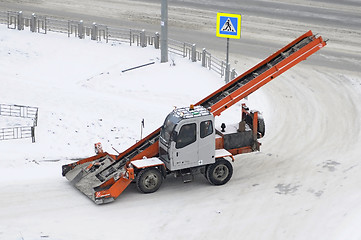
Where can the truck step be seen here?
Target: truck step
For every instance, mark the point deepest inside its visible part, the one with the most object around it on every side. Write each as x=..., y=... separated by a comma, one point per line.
x=187, y=176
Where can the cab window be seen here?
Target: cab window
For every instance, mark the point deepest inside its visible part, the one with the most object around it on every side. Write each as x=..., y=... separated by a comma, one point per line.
x=206, y=128
x=186, y=136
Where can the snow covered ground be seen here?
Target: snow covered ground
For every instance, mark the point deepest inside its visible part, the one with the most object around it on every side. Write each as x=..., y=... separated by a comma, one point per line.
x=304, y=184
x=83, y=98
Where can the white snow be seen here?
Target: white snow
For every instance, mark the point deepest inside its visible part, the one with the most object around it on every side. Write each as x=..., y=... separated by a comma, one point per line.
x=304, y=184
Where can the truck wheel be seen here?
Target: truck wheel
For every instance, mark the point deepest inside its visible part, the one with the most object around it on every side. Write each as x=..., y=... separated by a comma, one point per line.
x=219, y=172
x=149, y=180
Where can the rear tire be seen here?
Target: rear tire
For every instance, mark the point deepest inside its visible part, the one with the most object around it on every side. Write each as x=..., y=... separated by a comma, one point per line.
x=149, y=180
x=220, y=172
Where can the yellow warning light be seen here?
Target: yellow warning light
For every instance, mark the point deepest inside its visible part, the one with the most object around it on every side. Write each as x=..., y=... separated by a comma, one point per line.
x=191, y=107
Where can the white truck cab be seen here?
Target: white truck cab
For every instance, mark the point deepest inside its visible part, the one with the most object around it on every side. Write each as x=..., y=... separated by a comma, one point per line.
x=187, y=138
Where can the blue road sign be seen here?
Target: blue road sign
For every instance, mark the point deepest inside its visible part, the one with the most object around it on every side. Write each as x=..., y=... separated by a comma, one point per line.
x=228, y=25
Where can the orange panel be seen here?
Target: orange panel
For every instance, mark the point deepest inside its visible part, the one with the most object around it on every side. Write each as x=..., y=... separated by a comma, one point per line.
x=115, y=190
x=219, y=143
x=119, y=186
x=237, y=151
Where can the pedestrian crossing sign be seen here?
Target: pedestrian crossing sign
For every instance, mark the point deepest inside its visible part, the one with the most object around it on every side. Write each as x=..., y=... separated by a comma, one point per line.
x=228, y=25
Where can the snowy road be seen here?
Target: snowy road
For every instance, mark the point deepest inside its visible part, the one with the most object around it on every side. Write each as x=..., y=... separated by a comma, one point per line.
x=304, y=184
x=268, y=25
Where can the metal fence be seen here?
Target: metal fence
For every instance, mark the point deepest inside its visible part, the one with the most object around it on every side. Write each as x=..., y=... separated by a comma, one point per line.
x=184, y=49
x=19, y=111
x=99, y=32
x=17, y=133
x=188, y=50
x=22, y=112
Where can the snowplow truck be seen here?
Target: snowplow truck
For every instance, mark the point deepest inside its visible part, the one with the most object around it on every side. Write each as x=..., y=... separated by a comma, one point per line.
x=188, y=142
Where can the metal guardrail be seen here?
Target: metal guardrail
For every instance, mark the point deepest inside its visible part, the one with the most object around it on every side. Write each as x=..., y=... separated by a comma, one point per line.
x=183, y=49
x=215, y=64
x=188, y=50
x=22, y=112
x=98, y=32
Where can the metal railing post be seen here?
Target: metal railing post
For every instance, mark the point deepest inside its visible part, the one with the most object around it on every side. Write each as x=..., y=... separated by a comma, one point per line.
x=33, y=23
x=194, y=53
x=46, y=25
x=209, y=62
x=156, y=40
x=69, y=28
x=94, y=34
x=204, y=57
x=184, y=50
x=81, y=29
x=143, y=40
x=106, y=34
x=233, y=74
x=130, y=37
x=20, y=21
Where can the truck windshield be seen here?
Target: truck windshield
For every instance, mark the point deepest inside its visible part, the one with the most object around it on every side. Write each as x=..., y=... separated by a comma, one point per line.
x=168, y=127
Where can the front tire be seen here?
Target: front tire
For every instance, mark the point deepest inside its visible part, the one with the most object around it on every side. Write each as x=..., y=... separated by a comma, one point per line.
x=220, y=172
x=149, y=180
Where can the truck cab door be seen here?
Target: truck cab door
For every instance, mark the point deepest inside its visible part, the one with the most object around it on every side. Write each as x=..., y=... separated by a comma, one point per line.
x=206, y=142
x=185, y=151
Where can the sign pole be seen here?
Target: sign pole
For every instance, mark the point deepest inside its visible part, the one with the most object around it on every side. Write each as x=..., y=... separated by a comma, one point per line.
x=228, y=26
x=227, y=63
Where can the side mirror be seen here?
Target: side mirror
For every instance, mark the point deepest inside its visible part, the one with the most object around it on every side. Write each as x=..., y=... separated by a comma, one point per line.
x=174, y=136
